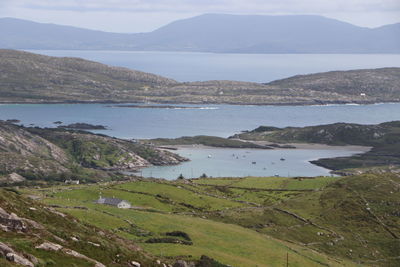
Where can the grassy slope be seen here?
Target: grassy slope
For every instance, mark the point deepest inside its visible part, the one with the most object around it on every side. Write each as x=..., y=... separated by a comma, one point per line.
x=355, y=217
x=172, y=206
x=65, y=228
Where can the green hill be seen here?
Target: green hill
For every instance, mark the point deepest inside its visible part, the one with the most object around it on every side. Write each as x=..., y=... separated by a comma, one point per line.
x=249, y=221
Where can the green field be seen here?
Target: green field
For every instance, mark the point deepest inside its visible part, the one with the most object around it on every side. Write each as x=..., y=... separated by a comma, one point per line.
x=233, y=220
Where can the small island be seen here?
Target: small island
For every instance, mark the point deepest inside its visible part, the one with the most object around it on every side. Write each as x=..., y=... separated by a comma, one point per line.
x=83, y=126
x=154, y=106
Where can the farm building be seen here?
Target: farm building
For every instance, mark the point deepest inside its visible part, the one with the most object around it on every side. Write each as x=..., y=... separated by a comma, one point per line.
x=119, y=203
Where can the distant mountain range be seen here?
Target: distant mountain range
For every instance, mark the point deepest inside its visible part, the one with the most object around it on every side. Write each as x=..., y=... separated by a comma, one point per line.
x=213, y=33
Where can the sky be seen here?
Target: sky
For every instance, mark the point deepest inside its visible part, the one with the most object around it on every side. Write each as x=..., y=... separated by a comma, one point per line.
x=147, y=15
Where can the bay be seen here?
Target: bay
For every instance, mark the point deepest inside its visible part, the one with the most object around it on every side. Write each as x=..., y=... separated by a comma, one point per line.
x=217, y=120
x=185, y=66
x=216, y=162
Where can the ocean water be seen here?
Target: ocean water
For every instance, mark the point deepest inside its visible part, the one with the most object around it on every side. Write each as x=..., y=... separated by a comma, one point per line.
x=185, y=66
x=217, y=120
x=216, y=162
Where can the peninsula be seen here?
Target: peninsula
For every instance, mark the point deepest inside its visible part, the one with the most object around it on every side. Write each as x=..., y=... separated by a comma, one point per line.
x=31, y=78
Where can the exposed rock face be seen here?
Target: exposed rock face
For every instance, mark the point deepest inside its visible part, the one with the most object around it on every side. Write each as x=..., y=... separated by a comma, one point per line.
x=11, y=222
x=182, y=263
x=17, y=139
x=22, y=152
x=58, y=154
x=12, y=256
x=19, y=260
x=12, y=178
x=56, y=247
x=96, y=151
x=15, y=178
x=49, y=246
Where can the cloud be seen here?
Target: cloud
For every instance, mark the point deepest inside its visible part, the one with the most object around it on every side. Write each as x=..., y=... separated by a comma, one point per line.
x=202, y=6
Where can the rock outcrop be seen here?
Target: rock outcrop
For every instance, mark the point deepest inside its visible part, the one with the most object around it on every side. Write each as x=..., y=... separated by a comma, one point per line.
x=49, y=246
x=58, y=154
x=11, y=222
x=9, y=253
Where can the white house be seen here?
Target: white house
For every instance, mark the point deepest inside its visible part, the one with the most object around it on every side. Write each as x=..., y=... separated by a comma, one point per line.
x=119, y=203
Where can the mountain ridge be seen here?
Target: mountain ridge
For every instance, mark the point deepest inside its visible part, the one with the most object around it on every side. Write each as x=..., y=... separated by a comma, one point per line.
x=218, y=33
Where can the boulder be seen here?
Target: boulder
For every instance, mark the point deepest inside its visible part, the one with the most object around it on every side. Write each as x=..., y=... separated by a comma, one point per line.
x=14, y=178
x=19, y=260
x=49, y=246
x=181, y=263
x=4, y=249
x=11, y=222
x=135, y=264
x=12, y=256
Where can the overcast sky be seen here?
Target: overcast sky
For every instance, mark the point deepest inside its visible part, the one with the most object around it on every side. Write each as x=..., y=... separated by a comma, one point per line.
x=147, y=15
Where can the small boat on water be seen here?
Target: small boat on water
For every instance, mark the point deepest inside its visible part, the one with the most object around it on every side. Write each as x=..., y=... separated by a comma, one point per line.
x=209, y=156
x=282, y=159
x=254, y=162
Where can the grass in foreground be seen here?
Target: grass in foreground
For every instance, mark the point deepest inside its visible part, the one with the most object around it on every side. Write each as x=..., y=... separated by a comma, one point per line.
x=192, y=207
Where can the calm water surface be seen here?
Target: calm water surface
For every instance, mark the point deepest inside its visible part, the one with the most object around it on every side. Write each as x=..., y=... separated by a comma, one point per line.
x=217, y=162
x=218, y=120
x=185, y=66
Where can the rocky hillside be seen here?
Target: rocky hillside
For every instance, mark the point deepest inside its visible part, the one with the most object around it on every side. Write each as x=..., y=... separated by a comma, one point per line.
x=58, y=154
x=368, y=83
x=36, y=78
x=384, y=139
x=31, y=78
x=34, y=234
